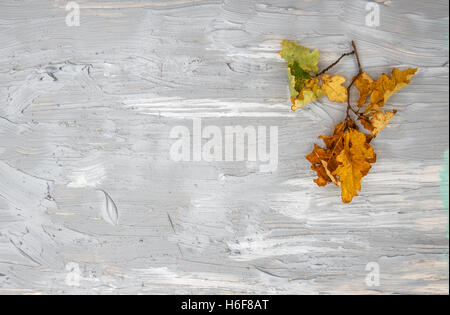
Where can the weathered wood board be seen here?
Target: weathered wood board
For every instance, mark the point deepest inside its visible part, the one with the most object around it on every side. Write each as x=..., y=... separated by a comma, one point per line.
x=91, y=200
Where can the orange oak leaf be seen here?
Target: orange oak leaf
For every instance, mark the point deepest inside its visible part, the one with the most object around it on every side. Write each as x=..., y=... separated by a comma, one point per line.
x=319, y=164
x=324, y=160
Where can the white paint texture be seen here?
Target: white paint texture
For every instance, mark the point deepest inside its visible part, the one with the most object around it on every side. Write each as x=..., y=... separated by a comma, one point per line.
x=86, y=176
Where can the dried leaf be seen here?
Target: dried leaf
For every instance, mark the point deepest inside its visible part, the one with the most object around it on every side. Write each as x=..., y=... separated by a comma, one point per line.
x=354, y=163
x=385, y=87
x=316, y=157
x=324, y=160
x=347, y=155
x=332, y=87
x=329, y=173
x=303, y=63
x=376, y=121
x=364, y=83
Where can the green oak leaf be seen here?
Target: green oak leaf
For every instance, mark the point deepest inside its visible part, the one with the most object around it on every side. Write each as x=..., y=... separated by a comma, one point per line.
x=297, y=78
x=293, y=52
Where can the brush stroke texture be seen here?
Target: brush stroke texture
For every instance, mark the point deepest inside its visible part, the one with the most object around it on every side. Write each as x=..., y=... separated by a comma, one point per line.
x=90, y=108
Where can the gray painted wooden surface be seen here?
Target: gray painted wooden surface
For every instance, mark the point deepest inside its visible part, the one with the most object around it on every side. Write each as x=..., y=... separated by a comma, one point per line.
x=86, y=178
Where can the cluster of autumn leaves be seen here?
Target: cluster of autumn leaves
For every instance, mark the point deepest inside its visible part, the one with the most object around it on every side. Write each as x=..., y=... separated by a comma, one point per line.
x=348, y=154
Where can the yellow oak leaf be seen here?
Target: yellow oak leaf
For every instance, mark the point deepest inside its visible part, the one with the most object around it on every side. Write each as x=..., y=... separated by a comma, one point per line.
x=332, y=87
x=364, y=83
x=385, y=87
x=354, y=163
x=310, y=93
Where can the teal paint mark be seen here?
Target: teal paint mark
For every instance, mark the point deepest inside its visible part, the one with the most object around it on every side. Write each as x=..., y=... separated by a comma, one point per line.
x=444, y=184
x=447, y=34
x=444, y=188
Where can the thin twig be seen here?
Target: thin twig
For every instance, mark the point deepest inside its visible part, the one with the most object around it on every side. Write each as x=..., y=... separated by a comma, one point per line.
x=335, y=63
x=357, y=57
x=360, y=71
x=349, y=106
